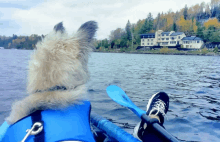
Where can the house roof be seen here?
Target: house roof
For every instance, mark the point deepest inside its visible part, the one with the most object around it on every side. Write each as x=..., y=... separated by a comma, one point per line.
x=176, y=33
x=165, y=33
x=148, y=35
x=191, y=38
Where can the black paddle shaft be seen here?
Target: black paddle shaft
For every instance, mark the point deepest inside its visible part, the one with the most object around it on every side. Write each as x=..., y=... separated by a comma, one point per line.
x=158, y=128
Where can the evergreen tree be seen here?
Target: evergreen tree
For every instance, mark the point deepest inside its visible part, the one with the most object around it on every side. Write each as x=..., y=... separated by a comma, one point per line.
x=144, y=28
x=148, y=25
x=128, y=30
x=150, y=22
x=185, y=13
x=158, y=22
x=174, y=28
x=199, y=32
x=209, y=33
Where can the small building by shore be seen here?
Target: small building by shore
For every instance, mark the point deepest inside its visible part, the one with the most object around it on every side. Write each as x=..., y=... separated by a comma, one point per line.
x=192, y=42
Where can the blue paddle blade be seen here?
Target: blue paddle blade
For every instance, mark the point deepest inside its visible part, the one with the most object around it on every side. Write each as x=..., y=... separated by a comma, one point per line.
x=3, y=130
x=119, y=96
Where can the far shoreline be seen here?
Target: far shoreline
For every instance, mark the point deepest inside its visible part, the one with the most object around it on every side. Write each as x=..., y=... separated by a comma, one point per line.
x=149, y=52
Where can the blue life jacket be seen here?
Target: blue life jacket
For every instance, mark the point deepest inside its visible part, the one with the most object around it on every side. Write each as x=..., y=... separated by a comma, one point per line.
x=71, y=124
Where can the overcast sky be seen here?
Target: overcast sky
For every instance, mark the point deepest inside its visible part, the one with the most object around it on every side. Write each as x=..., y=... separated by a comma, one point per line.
x=26, y=17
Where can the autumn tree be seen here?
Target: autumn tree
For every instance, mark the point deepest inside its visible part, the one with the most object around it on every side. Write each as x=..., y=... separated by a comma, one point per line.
x=116, y=34
x=212, y=22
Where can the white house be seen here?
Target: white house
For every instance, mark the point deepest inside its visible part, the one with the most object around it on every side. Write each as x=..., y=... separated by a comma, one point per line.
x=172, y=38
x=148, y=39
x=192, y=42
x=160, y=38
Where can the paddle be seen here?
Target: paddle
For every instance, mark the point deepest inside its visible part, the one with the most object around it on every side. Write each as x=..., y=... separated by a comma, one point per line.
x=119, y=96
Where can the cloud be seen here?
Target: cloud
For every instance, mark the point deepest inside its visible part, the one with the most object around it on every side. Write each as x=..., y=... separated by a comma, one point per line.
x=38, y=17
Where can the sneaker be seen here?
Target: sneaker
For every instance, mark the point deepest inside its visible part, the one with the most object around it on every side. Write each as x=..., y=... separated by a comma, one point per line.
x=157, y=106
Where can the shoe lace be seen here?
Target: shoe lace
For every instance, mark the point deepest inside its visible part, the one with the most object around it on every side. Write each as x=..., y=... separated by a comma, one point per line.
x=159, y=106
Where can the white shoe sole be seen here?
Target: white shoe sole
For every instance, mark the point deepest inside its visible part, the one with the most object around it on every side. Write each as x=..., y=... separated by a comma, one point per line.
x=149, y=102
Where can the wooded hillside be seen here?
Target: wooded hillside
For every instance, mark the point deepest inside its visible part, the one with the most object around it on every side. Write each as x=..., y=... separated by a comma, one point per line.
x=200, y=20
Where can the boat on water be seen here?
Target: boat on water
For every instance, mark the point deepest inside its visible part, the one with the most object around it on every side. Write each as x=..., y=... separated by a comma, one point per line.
x=102, y=130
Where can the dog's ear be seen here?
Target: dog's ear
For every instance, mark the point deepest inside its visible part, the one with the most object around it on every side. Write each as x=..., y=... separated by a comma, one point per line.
x=59, y=27
x=86, y=32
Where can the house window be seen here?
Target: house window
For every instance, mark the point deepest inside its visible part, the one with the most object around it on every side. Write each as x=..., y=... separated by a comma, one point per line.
x=142, y=43
x=167, y=34
x=162, y=38
x=151, y=43
x=190, y=45
x=151, y=39
x=148, y=40
x=187, y=46
x=167, y=38
x=148, y=44
x=179, y=37
x=173, y=42
x=143, y=40
x=198, y=41
x=162, y=34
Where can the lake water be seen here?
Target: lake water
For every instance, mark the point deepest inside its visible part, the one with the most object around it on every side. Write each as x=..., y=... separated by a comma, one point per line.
x=192, y=82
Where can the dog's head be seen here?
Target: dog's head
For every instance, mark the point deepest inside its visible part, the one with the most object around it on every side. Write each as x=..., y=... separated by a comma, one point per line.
x=61, y=60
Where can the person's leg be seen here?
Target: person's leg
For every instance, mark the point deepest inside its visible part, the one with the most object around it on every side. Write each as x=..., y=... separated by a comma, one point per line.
x=157, y=107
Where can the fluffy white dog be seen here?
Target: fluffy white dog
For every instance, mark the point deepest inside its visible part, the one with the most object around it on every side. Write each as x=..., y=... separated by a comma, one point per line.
x=58, y=71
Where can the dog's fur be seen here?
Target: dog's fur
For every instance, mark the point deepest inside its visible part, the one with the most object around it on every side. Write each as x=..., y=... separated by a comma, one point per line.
x=59, y=60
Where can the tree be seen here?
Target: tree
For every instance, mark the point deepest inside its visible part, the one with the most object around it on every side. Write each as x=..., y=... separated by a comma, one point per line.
x=144, y=28
x=128, y=30
x=209, y=33
x=150, y=22
x=215, y=50
x=157, y=23
x=184, y=24
x=207, y=11
x=212, y=22
x=116, y=34
x=194, y=26
x=174, y=28
x=185, y=14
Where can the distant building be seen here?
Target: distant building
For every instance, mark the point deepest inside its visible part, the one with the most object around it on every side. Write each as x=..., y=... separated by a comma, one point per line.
x=2, y=48
x=148, y=39
x=192, y=42
x=170, y=39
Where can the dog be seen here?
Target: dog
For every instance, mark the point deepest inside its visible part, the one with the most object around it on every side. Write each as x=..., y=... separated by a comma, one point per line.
x=58, y=71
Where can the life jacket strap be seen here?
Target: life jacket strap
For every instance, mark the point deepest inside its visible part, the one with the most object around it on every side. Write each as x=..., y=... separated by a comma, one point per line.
x=36, y=117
